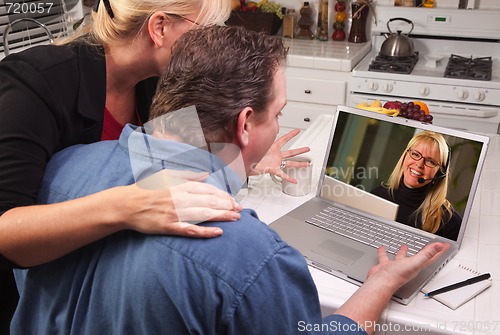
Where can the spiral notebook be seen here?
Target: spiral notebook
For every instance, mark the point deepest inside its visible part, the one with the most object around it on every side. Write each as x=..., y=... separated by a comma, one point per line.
x=456, y=298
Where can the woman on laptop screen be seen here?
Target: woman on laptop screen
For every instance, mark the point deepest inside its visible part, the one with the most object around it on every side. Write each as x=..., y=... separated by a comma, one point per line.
x=419, y=184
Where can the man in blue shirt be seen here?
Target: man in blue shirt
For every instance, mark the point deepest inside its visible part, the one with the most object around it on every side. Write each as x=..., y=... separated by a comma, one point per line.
x=248, y=281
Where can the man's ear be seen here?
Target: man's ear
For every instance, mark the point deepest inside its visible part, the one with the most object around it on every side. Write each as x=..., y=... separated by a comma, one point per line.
x=244, y=126
x=156, y=28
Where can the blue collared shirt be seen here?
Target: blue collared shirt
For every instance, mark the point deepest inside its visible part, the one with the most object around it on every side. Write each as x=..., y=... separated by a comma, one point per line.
x=248, y=281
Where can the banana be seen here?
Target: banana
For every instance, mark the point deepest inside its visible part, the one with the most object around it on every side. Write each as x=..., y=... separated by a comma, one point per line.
x=362, y=105
x=377, y=109
x=376, y=103
x=261, y=3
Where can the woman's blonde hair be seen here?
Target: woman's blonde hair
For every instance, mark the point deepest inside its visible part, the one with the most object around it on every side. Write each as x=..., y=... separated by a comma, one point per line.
x=435, y=205
x=130, y=16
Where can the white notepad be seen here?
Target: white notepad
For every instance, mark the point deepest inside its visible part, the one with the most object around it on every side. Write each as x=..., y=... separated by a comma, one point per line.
x=456, y=298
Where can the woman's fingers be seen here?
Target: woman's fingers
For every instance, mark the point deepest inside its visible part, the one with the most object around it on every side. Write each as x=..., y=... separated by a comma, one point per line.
x=195, y=194
x=192, y=230
x=187, y=175
x=202, y=214
x=171, y=203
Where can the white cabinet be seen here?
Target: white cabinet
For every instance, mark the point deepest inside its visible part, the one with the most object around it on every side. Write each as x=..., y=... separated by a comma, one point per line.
x=301, y=114
x=310, y=93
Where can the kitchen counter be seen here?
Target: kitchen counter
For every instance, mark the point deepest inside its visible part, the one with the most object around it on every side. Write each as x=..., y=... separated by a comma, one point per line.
x=328, y=55
x=480, y=249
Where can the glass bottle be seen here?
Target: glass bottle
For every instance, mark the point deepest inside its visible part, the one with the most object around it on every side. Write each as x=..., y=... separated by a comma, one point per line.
x=322, y=32
x=360, y=11
x=305, y=22
x=289, y=23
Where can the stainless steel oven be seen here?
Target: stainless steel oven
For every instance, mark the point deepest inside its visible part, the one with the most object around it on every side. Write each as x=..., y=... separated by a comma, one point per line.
x=466, y=96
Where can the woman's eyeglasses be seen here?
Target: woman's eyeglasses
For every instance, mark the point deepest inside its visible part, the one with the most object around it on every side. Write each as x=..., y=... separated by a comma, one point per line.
x=183, y=17
x=414, y=154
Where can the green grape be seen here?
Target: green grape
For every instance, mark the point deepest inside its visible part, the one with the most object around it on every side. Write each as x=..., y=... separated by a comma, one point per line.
x=272, y=7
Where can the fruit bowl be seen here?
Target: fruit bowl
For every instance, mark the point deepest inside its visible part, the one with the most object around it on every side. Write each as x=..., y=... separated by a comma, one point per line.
x=415, y=110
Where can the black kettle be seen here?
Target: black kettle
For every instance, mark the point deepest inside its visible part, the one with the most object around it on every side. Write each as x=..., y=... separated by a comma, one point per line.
x=398, y=45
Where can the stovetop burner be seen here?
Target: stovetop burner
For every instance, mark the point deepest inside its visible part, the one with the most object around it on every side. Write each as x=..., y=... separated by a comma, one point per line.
x=390, y=64
x=469, y=68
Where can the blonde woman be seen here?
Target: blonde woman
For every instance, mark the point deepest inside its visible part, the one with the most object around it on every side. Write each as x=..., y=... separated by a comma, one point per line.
x=419, y=184
x=85, y=90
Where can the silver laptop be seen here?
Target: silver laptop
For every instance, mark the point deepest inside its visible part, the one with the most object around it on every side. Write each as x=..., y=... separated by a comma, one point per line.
x=342, y=238
x=356, y=197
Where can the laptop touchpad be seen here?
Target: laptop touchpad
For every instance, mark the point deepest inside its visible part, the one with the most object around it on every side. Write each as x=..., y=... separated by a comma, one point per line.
x=338, y=252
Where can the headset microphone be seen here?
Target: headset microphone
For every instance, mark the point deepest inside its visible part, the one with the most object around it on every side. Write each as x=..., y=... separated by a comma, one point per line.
x=422, y=180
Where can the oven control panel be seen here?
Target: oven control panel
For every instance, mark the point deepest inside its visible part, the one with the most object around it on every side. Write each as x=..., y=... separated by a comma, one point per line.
x=417, y=90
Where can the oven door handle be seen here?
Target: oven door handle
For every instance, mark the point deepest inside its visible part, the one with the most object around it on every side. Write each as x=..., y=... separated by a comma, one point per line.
x=470, y=112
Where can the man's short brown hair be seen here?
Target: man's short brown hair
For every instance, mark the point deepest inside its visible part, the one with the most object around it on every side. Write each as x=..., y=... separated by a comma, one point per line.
x=220, y=70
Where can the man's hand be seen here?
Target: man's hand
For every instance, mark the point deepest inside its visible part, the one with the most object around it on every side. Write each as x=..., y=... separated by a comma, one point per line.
x=367, y=304
x=402, y=269
x=271, y=162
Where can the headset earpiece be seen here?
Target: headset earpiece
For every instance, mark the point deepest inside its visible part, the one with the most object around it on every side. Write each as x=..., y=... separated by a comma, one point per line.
x=440, y=174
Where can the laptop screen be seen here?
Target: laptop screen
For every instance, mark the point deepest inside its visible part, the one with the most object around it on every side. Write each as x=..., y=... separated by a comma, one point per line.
x=433, y=194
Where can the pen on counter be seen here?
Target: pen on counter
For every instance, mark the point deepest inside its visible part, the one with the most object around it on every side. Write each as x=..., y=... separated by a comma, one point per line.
x=459, y=284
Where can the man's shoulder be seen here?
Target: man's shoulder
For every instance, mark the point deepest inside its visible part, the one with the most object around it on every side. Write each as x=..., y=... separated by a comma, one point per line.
x=245, y=248
x=84, y=169
x=248, y=237
x=85, y=156
x=251, y=231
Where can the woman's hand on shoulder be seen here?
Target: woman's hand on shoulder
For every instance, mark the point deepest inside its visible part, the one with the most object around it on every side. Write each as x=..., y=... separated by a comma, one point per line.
x=172, y=203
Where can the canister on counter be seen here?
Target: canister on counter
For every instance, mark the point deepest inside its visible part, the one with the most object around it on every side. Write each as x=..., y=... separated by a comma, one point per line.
x=289, y=23
x=322, y=30
x=305, y=22
x=360, y=11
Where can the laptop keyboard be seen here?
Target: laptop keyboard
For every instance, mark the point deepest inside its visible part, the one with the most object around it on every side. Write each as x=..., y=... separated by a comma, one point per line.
x=367, y=231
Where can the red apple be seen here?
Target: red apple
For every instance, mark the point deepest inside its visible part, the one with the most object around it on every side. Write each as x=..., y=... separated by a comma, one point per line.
x=340, y=6
x=393, y=104
x=338, y=35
